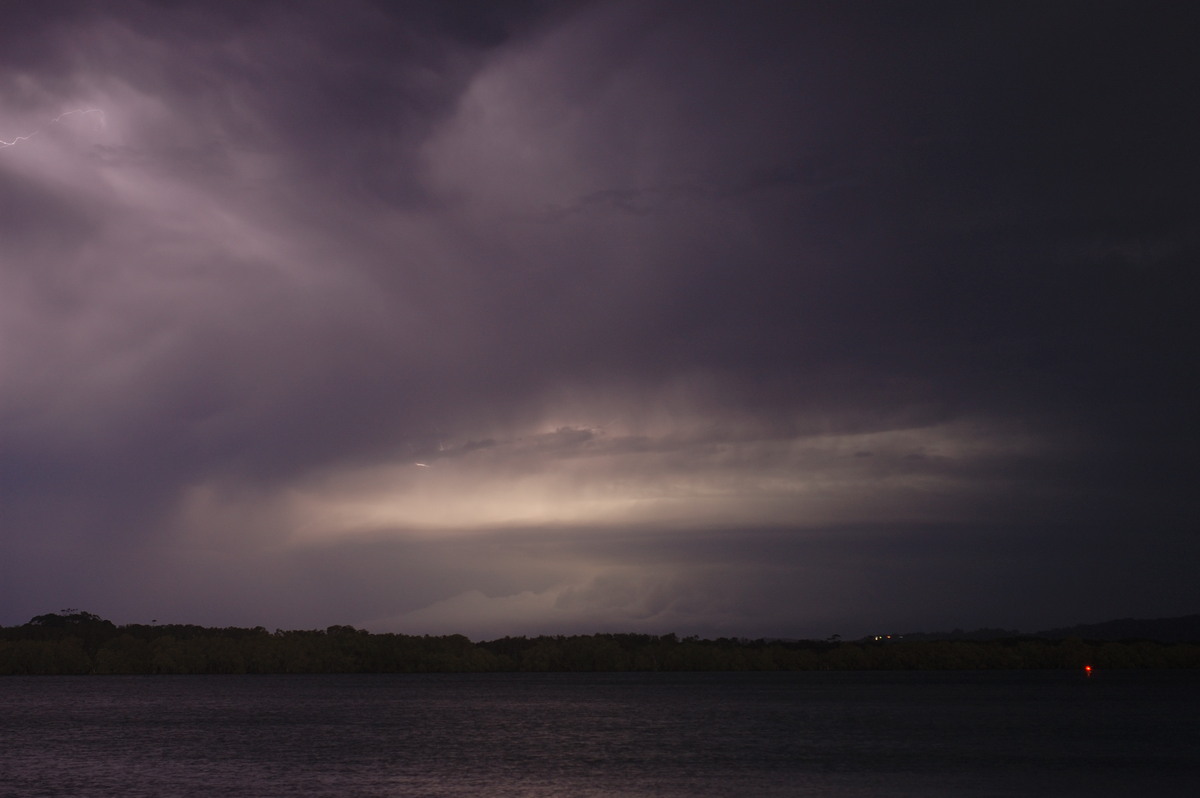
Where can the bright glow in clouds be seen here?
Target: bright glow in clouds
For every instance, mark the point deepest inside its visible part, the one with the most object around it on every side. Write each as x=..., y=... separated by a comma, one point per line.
x=676, y=478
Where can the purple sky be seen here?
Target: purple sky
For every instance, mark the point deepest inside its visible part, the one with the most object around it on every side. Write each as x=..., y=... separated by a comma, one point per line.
x=771, y=318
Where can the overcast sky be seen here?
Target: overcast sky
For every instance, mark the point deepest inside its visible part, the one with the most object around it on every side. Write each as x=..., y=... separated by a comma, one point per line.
x=744, y=319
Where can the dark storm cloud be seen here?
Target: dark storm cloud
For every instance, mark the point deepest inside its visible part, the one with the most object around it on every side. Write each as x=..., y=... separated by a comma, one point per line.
x=605, y=270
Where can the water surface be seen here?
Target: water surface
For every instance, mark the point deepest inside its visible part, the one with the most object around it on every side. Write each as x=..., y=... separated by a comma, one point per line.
x=626, y=735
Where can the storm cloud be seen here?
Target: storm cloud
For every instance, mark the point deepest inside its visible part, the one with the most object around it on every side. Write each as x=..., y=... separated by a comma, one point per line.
x=785, y=319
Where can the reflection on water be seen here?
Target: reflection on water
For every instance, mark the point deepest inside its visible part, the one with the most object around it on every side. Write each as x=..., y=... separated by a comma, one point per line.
x=533, y=735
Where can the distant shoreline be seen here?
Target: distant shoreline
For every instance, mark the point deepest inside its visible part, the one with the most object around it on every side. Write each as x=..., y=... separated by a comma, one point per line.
x=81, y=643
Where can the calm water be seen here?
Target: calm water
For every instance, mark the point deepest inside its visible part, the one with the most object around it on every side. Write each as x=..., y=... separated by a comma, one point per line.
x=535, y=735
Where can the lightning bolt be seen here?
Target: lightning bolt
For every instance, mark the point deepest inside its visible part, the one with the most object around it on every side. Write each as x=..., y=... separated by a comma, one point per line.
x=17, y=140
x=102, y=123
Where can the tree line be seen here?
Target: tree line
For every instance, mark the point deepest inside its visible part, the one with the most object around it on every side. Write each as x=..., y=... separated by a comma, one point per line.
x=74, y=642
